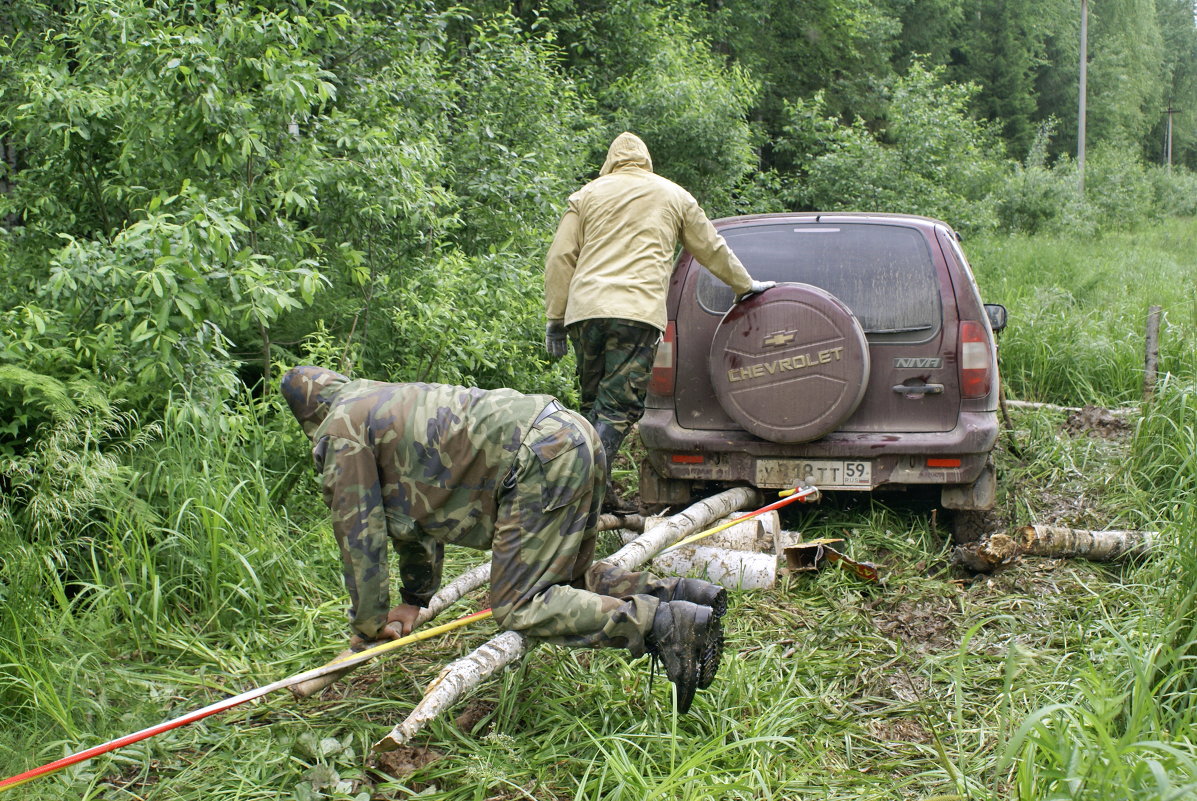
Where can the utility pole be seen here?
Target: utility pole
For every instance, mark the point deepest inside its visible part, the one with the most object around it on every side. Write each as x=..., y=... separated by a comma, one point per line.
x=1080, y=132
x=1168, y=137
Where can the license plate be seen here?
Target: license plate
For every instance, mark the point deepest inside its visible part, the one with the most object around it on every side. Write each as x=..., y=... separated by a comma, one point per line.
x=823, y=473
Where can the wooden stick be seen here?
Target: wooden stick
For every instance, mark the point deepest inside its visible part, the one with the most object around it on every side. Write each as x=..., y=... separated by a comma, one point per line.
x=459, y=677
x=1151, y=357
x=1019, y=404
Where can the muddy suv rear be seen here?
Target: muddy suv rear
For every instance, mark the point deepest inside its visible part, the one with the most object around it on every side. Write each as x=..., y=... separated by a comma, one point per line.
x=871, y=365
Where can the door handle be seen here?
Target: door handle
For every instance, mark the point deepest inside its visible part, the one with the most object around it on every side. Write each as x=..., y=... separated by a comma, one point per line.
x=912, y=390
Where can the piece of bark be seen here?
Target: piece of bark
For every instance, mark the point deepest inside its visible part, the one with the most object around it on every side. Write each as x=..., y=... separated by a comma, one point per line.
x=459, y=677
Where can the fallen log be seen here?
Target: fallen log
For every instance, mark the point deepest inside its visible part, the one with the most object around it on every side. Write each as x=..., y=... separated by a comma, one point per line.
x=459, y=677
x=1019, y=404
x=1097, y=546
x=612, y=522
x=450, y=594
x=1057, y=542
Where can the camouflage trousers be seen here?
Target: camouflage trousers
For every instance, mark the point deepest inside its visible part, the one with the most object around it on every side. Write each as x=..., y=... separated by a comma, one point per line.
x=615, y=361
x=543, y=581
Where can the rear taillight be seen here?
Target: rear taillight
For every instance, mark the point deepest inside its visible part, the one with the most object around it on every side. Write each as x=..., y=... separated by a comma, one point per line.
x=661, y=382
x=976, y=361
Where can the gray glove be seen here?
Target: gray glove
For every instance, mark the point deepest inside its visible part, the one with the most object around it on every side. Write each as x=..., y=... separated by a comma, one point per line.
x=757, y=288
x=554, y=339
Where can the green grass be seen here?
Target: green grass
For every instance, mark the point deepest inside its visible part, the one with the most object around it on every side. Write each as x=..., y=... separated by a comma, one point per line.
x=213, y=570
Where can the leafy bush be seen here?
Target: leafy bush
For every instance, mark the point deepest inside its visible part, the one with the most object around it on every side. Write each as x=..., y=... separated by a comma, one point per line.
x=932, y=158
x=1175, y=190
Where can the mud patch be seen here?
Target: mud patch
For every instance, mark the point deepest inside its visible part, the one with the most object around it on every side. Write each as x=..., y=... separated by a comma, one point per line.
x=474, y=713
x=924, y=626
x=404, y=760
x=1095, y=421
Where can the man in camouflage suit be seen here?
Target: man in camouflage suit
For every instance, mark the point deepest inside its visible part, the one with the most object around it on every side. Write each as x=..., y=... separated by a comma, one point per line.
x=606, y=278
x=425, y=465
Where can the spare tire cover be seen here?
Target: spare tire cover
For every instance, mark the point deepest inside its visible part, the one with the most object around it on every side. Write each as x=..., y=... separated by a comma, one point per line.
x=790, y=364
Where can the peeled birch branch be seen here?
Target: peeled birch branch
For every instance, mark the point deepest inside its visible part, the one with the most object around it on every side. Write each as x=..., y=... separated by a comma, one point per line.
x=459, y=677
x=1020, y=404
x=450, y=594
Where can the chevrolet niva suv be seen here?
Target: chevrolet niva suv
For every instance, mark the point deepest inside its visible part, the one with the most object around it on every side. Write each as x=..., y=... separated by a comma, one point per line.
x=871, y=365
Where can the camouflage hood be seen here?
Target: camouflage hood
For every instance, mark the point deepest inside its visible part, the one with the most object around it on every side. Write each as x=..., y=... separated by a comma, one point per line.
x=308, y=391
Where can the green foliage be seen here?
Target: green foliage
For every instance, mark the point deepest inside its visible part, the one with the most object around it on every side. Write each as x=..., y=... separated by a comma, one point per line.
x=690, y=110
x=933, y=158
x=841, y=48
x=521, y=134
x=652, y=71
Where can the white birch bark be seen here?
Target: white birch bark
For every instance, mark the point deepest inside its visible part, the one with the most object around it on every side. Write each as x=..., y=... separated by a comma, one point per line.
x=459, y=677
x=1097, y=546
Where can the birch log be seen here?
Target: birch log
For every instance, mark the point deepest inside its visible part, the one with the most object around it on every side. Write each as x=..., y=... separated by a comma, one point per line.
x=459, y=677
x=450, y=594
x=1098, y=546
x=1057, y=542
x=1117, y=411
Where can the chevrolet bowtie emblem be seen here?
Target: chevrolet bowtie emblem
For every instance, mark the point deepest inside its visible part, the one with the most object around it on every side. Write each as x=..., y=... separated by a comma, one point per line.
x=778, y=338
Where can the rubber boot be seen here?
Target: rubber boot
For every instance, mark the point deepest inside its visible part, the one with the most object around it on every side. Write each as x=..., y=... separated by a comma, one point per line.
x=700, y=592
x=683, y=634
x=612, y=438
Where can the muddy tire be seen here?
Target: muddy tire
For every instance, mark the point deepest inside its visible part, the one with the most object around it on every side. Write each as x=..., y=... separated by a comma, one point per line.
x=970, y=525
x=657, y=491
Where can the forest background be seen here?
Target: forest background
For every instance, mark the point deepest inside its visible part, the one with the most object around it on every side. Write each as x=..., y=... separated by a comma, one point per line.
x=196, y=195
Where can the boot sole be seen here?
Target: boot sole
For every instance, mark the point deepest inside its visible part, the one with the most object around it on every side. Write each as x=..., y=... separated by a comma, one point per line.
x=708, y=663
x=705, y=623
x=719, y=604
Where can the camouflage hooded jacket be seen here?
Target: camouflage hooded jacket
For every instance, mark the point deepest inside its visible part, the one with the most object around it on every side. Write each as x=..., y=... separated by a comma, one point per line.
x=416, y=464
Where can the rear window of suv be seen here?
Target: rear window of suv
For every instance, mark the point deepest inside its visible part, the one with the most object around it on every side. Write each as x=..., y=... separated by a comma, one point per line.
x=883, y=273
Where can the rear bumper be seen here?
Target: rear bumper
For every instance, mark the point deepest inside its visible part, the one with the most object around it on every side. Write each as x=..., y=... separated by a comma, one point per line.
x=896, y=459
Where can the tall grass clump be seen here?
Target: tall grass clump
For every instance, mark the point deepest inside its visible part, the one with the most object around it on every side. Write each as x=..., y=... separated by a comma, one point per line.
x=194, y=562
x=1076, y=319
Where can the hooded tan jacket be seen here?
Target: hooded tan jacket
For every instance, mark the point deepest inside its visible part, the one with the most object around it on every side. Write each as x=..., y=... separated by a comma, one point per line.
x=614, y=248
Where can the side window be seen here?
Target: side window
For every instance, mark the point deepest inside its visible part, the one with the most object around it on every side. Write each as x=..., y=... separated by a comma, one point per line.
x=883, y=273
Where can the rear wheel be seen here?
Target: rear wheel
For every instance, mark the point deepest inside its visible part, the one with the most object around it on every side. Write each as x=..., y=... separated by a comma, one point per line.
x=656, y=490
x=971, y=525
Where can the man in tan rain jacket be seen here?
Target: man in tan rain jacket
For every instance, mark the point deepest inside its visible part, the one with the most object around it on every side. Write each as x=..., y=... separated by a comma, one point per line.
x=606, y=279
